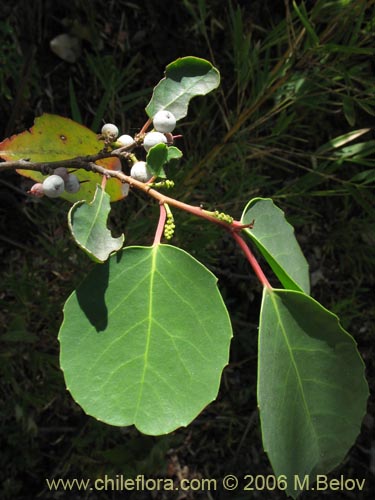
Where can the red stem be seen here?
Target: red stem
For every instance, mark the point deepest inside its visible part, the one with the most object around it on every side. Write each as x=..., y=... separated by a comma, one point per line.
x=104, y=182
x=252, y=260
x=145, y=126
x=161, y=223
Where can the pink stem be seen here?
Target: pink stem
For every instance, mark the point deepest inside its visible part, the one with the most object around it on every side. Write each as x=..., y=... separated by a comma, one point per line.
x=145, y=126
x=161, y=223
x=104, y=182
x=252, y=260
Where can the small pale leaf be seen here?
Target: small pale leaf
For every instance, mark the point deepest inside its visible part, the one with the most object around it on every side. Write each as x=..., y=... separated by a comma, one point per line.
x=156, y=158
x=174, y=153
x=88, y=225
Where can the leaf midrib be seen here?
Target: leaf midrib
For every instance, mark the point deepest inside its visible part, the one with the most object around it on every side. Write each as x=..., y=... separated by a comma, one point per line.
x=148, y=334
x=294, y=364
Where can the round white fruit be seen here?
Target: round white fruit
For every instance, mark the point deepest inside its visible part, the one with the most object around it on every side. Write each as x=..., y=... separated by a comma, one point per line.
x=164, y=121
x=126, y=140
x=110, y=131
x=72, y=184
x=153, y=138
x=62, y=172
x=140, y=172
x=53, y=186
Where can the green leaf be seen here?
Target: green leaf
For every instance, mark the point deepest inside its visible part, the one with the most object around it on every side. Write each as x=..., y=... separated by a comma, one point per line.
x=331, y=48
x=275, y=239
x=365, y=177
x=184, y=79
x=312, y=392
x=174, y=153
x=88, y=225
x=302, y=14
x=145, y=338
x=349, y=110
x=74, y=107
x=160, y=155
x=54, y=138
x=156, y=158
x=341, y=140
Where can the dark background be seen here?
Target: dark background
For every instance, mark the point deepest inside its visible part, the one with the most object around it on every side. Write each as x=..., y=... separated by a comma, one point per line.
x=287, y=89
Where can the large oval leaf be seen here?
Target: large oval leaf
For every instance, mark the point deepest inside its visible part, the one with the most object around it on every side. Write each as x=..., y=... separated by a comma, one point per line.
x=55, y=138
x=145, y=338
x=88, y=225
x=312, y=392
x=276, y=241
x=184, y=79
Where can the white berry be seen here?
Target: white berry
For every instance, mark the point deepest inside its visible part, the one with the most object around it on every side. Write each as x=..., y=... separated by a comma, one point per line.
x=62, y=172
x=126, y=140
x=164, y=121
x=37, y=190
x=110, y=131
x=53, y=186
x=139, y=172
x=72, y=184
x=153, y=138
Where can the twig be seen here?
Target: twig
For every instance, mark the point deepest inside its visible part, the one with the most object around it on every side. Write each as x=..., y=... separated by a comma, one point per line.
x=162, y=198
x=88, y=163
x=77, y=162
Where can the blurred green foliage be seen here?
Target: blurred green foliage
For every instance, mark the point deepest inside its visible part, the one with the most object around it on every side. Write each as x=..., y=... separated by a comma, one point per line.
x=293, y=120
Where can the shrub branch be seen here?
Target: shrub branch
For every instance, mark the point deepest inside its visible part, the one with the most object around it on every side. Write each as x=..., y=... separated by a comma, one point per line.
x=88, y=163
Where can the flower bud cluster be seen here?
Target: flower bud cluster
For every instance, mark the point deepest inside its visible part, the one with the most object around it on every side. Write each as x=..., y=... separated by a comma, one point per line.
x=223, y=216
x=169, y=226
